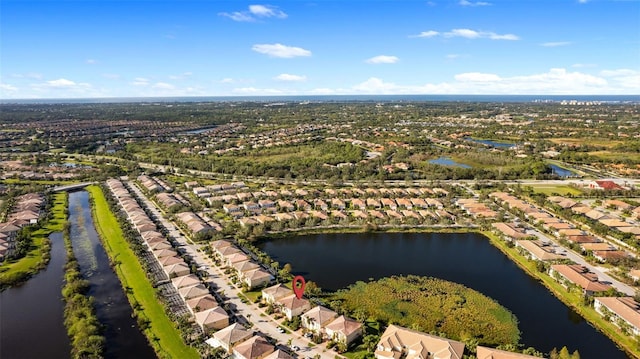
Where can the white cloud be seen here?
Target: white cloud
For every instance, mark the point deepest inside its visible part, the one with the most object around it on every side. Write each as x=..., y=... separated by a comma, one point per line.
x=92, y=61
x=382, y=59
x=429, y=33
x=227, y=80
x=140, y=81
x=583, y=1
x=289, y=77
x=554, y=81
x=62, y=83
x=163, y=86
x=472, y=3
x=254, y=13
x=8, y=88
x=61, y=88
x=555, y=43
x=279, y=50
x=580, y=66
x=468, y=34
x=256, y=91
x=238, y=16
x=625, y=78
x=266, y=11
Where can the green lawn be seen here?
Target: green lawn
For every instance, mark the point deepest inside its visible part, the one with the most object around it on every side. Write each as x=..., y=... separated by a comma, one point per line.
x=561, y=190
x=33, y=261
x=162, y=333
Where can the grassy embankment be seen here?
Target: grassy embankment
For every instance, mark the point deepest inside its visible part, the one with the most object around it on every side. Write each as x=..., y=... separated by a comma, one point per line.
x=17, y=271
x=161, y=332
x=573, y=299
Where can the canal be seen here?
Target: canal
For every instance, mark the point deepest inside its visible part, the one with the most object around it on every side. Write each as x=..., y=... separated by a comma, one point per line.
x=123, y=337
x=31, y=314
x=334, y=261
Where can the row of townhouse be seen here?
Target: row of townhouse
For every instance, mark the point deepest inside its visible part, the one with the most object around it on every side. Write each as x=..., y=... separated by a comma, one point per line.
x=342, y=193
x=26, y=211
x=535, y=249
x=196, y=224
x=398, y=342
x=562, y=229
x=611, y=220
x=337, y=215
x=578, y=275
x=171, y=201
x=248, y=272
x=152, y=184
x=318, y=320
x=204, y=307
x=476, y=208
x=622, y=311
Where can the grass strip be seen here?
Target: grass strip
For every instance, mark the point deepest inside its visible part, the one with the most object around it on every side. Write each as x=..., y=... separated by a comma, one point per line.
x=571, y=299
x=161, y=331
x=13, y=272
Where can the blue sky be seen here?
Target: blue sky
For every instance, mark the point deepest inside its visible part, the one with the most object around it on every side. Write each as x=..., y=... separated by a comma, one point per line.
x=95, y=48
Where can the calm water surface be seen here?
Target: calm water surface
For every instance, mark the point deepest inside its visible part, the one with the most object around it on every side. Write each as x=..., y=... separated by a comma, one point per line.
x=34, y=312
x=124, y=339
x=446, y=161
x=492, y=143
x=336, y=260
x=561, y=171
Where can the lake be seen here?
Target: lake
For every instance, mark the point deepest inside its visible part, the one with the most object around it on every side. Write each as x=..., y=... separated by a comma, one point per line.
x=31, y=314
x=123, y=337
x=562, y=172
x=446, y=161
x=492, y=143
x=334, y=261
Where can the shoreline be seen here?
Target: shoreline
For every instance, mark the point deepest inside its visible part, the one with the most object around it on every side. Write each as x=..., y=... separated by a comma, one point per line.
x=589, y=314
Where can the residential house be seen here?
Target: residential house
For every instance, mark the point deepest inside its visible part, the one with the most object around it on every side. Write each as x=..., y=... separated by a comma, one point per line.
x=272, y=294
x=279, y=354
x=622, y=311
x=256, y=278
x=194, y=291
x=397, y=342
x=185, y=281
x=580, y=276
x=292, y=306
x=510, y=230
x=255, y=347
x=212, y=319
x=539, y=250
x=177, y=270
x=344, y=330
x=199, y=304
x=228, y=337
x=317, y=318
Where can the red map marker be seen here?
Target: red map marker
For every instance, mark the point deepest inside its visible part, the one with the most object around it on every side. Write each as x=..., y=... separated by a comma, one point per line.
x=298, y=289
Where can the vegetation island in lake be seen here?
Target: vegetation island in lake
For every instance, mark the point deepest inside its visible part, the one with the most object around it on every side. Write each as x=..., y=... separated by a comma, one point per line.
x=432, y=305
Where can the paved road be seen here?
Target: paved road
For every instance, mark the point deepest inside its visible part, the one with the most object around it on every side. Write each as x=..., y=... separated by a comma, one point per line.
x=248, y=312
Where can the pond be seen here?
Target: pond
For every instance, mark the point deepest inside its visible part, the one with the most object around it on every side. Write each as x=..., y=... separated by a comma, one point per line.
x=492, y=143
x=123, y=337
x=562, y=172
x=33, y=312
x=447, y=161
x=334, y=261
